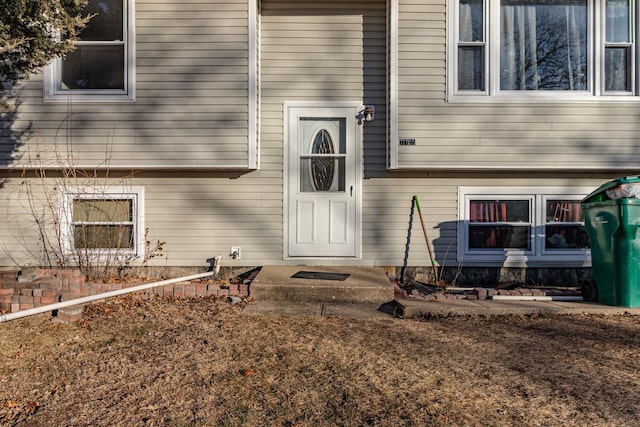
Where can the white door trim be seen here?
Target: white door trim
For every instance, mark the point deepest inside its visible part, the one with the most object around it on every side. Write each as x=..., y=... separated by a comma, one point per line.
x=357, y=107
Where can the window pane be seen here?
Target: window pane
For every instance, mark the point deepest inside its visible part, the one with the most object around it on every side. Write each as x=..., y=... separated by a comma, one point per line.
x=322, y=143
x=94, y=67
x=103, y=236
x=471, y=21
x=99, y=210
x=338, y=136
x=616, y=69
x=499, y=237
x=617, y=21
x=543, y=45
x=564, y=211
x=326, y=173
x=107, y=22
x=471, y=68
x=499, y=211
x=566, y=237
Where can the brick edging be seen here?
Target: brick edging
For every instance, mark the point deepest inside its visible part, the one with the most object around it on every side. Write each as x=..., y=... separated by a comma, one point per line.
x=478, y=293
x=36, y=287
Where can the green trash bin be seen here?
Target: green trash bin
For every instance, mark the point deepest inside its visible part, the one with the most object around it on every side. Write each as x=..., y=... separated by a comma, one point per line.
x=612, y=217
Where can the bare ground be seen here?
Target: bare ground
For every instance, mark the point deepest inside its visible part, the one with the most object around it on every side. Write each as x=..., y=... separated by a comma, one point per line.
x=202, y=362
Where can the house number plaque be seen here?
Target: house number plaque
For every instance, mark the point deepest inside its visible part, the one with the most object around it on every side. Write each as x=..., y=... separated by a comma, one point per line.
x=407, y=141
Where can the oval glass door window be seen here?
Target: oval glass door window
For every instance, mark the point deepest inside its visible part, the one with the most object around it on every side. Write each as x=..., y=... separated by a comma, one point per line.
x=322, y=169
x=322, y=155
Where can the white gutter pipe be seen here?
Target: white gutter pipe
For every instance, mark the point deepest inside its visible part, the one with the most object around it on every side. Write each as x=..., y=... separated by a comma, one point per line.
x=91, y=298
x=536, y=298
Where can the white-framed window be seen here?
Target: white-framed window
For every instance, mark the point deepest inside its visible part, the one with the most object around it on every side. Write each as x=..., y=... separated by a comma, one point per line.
x=517, y=226
x=566, y=49
x=104, y=222
x=102, y=66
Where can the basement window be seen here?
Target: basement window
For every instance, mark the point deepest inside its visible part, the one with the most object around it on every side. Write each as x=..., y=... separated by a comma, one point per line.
x=520, y=225
x=105, y=223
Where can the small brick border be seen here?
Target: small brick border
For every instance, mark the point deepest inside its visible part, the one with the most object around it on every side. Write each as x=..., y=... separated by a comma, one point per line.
x=479, y=293
x=23, y=289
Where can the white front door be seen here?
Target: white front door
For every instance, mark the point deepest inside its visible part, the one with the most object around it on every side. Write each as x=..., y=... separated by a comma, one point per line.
x=323, y=169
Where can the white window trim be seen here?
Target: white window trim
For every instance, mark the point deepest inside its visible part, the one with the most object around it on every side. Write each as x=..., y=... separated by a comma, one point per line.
x=52, y=73
x=254, y=84
x=135, y=193
x=492, y=93
x=392, y=76
x=538, y=255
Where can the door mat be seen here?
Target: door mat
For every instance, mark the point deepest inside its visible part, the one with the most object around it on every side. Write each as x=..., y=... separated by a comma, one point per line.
x=320, y=275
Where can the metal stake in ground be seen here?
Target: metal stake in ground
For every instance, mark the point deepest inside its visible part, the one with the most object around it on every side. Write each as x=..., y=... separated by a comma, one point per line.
x=406, y=249
x=434, y=264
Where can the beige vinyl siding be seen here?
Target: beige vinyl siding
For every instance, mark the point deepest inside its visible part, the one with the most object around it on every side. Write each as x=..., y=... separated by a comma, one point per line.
x=198, y=216
x=192, y=97
x=198, y=222
x=19, y=238
x=316, y=51
x=387, y=208
x=533, y=134
x=195, y=113
x=201, y=216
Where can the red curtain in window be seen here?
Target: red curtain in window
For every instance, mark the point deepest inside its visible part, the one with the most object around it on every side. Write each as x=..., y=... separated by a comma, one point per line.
x=488, y=211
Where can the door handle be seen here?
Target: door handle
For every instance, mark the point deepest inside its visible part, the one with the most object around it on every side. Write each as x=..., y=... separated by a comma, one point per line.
x=351, y=191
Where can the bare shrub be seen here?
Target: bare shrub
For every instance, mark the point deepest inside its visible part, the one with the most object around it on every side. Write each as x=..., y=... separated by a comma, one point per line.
x=79, y=219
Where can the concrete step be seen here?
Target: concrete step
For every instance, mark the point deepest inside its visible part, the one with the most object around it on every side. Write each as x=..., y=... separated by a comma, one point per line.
x=322, y=309
x=364, y=285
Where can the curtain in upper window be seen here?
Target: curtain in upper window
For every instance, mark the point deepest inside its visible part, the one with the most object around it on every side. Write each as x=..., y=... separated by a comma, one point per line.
x=569, y=49
x=618, y=54
x=471, y=49
x=543, y=45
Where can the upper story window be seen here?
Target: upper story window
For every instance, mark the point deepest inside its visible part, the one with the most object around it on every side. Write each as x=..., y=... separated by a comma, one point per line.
x=557, y=48
x=101, y=68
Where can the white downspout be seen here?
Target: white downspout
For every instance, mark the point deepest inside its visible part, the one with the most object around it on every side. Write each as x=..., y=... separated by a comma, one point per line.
x=537, y=298
x=91, y=298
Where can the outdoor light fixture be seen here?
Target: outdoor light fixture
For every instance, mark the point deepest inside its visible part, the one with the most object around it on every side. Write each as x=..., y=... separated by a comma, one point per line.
x=369, y=113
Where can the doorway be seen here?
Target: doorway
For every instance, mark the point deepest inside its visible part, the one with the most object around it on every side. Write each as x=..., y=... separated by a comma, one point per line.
x=323, y=170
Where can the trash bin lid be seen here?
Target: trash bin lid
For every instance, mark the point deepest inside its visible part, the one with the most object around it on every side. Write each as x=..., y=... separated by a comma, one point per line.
x=600, y=195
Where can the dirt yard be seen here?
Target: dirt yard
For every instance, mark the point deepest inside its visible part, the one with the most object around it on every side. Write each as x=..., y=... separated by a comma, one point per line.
x=202, y=362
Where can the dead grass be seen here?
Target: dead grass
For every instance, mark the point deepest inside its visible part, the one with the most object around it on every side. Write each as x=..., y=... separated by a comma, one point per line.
x=202, y=362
